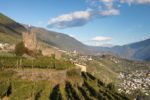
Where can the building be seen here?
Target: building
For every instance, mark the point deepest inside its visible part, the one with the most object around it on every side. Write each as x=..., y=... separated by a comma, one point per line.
x=30, y=40
x=51, y=51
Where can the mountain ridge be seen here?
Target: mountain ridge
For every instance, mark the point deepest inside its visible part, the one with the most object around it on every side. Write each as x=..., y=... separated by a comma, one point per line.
x=11, y=31
x=135, y=51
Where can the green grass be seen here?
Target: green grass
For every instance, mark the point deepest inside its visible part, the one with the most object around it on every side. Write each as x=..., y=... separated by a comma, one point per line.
x=6, y=75
x=6, y=54
x=62, y=91
x=5, y=20
x=22, y=90
x=40, y=62
x=46, y=92
x=102, y=71
x=4, y=86
x=8, y=38
x=10, y=31
x=91, y=89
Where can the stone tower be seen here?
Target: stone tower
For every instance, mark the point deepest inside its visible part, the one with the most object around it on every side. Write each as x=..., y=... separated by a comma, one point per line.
x=30, y=40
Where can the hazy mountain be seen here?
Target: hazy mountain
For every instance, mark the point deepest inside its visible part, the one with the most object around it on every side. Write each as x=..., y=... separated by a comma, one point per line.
x=138, y=50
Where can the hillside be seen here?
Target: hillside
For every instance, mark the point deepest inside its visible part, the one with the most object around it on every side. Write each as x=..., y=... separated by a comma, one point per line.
x=108, y=67
x=122, y=65
x=10, y=31
x=48, y=78
x=138, y=50
x=60, y=40
x=90, y=88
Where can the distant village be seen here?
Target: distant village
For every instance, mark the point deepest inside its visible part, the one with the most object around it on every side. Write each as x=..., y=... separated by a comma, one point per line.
x=6, y=47
x=137, y=80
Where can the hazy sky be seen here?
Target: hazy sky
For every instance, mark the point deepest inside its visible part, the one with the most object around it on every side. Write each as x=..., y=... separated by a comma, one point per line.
x=93, y=22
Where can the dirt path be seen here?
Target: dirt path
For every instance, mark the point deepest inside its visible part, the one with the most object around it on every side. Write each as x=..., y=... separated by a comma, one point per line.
x=82, y=67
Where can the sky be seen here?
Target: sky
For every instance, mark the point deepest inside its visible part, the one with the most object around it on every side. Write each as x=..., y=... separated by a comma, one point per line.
x=93, y=22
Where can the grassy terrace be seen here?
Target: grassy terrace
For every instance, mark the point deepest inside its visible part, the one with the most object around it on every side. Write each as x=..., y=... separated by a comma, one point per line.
x=14, y=88
x=46, y=78
x=40, y=62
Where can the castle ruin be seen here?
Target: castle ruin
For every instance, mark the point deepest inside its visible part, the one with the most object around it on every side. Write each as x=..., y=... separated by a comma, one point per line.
x=30, y=40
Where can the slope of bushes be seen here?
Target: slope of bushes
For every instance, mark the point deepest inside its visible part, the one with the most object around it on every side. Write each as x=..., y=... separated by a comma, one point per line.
x=91, y=89
x=40, y=62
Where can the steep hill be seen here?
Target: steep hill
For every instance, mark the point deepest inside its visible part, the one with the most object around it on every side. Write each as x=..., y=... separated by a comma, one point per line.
x=10, y=31
x=60, y=40
x=108, y=67
x=91, y=88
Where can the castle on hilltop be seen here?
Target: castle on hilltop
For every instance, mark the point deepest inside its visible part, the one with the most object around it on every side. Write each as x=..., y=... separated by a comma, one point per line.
x=30, y=40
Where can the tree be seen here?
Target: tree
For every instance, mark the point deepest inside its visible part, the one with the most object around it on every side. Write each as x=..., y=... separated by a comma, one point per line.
x=111, y=86
x=20, y=49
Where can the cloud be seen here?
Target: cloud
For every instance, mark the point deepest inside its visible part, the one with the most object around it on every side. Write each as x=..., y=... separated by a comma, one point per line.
x=78, y=18
x=71, y=35
x=97, y=9
x=101, y=38
x=135, y=1
x=108, y=12
x=104, y=44
x=108, y=1
x=101, y=41
x=125, y=1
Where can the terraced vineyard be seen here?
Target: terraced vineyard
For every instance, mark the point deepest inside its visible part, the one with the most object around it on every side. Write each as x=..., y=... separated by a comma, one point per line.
x=90, y=89
x=40, y=62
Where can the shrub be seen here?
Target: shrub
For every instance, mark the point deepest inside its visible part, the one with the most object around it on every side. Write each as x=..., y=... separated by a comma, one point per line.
x=62, y=92
x=90, y=76
x=111, y=86
x=20, y=49
x=73, y=72
x=55, y=95
x=4, y=87
x=46, y=92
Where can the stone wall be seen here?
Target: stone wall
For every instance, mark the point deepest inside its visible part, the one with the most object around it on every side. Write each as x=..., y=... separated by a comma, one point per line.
x=50, y=51
x=30, y=41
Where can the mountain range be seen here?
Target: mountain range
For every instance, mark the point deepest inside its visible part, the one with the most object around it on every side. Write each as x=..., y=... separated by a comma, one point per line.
x=11, y=31
x=135, y=51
